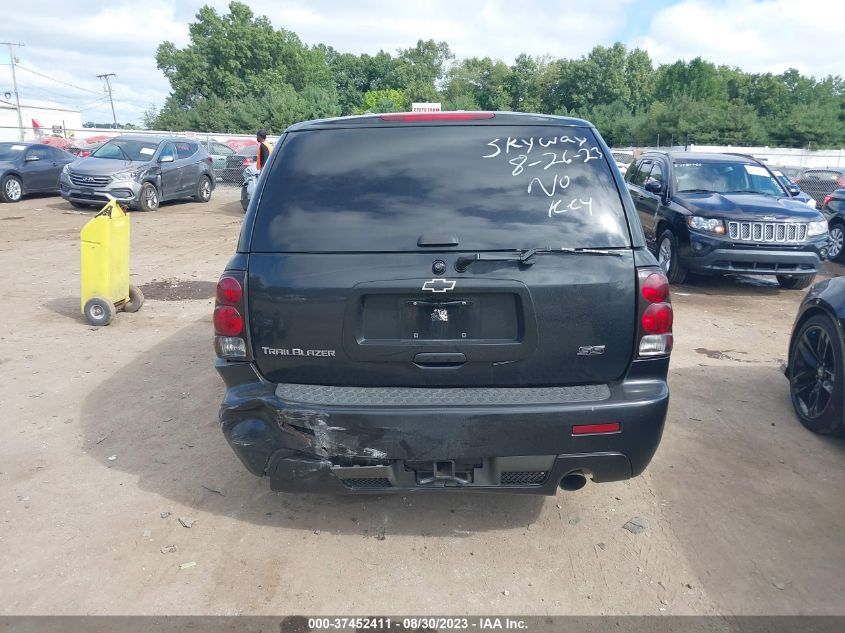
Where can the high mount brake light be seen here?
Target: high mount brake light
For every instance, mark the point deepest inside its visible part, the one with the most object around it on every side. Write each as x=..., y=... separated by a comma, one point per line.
x=411, y=117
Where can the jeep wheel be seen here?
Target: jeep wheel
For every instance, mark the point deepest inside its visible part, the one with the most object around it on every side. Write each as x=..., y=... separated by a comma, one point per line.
x=795, y=282
x=815, y=376
x=667, y=257
x=836, y=252
x=149, y=197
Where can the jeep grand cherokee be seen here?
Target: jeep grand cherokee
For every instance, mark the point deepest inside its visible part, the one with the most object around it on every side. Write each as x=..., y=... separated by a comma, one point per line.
x=442, y=301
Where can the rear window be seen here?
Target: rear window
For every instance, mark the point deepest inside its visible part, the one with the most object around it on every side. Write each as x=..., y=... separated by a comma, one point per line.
x=492, y=187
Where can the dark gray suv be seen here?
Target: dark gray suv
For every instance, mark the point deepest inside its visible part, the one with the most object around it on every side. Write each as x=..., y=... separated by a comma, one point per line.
x=441, y=301
x=140, y=171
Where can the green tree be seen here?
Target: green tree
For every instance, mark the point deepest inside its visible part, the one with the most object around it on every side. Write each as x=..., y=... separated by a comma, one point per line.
x=384, y=101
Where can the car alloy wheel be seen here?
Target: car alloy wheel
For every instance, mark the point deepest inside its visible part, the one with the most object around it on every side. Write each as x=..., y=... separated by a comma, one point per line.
x=13, y=189
x=664, y=254
x=837, y=240
x=152, y=198
x=205, y=189
x=814, y=372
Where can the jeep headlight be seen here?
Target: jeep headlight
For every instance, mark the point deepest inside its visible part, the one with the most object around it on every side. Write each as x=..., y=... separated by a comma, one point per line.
x=811, y=203
x=126, y=175
x=706, y=225
x=816, y=228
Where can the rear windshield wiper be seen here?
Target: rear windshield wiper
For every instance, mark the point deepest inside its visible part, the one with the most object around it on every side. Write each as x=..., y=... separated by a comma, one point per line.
x=526, y=257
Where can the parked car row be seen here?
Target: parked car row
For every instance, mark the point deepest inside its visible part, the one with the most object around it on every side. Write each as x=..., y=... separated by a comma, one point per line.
x=140, y=171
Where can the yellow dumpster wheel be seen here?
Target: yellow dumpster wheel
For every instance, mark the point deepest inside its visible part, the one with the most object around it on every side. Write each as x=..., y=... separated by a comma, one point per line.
x=136, y=299
x=99, y=311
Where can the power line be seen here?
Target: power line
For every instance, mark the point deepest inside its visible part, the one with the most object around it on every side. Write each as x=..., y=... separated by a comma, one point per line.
x=58, y=81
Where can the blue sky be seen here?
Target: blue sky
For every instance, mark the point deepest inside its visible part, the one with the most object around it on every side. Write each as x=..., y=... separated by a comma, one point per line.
x=76, y=40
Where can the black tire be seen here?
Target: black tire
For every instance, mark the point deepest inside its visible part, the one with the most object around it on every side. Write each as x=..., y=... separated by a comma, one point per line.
x=98, y=311
x=149, y=200
x=244, y=198
x=816, y=376
x=203, y=189
x=667, y=257
x=79, y=205
x=836, y=252
x=11, y=189
x=136, y=299
x=795, y=282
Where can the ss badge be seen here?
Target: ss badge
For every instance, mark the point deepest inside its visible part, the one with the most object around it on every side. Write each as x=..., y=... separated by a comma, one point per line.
x=591, y=350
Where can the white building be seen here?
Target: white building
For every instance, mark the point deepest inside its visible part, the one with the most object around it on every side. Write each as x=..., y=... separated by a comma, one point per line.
x=39, y=118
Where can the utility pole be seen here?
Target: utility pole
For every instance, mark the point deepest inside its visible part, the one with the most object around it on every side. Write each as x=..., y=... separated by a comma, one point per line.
x=108, y=85
x=15, y=84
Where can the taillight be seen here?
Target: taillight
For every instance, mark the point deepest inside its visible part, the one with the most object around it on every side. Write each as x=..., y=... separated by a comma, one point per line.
x=246, y=162
x=228, y=321
x=657, y=318
x=655, y=313
x=229, y=290
x=410, y=117
x=229, y=311
x=827, y=199
x=840, y=182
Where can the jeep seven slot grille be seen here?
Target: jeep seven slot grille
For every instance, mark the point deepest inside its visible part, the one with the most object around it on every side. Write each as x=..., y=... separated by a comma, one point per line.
x=769, y=232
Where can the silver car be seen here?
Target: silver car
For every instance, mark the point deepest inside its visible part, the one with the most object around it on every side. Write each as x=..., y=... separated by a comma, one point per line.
x=140, y=171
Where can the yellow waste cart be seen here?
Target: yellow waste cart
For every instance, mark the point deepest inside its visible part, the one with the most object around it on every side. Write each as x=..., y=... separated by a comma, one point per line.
x=105, y=266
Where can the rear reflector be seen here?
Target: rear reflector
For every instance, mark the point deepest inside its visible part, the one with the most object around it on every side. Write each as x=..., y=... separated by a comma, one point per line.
x=596, y=429
x=437, y=116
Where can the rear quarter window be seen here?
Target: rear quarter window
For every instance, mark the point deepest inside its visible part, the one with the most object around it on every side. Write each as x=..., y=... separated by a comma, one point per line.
x=493, y=187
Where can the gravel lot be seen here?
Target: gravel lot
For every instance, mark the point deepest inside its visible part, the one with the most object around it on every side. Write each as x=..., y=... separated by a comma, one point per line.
x=107, y=430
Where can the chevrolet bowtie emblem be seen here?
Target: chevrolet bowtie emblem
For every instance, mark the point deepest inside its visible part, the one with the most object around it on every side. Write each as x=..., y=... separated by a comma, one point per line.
x=439, y=285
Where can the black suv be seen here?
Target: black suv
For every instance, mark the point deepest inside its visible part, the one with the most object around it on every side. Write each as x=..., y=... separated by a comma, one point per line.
x=434, y=301
x=725, y=213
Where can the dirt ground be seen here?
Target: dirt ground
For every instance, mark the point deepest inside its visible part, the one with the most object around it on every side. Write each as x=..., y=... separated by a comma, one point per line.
x=105, y=431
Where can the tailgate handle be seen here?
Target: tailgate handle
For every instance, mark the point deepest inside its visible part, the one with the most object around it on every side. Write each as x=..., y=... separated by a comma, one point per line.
x=437, y=239
x=440, y=359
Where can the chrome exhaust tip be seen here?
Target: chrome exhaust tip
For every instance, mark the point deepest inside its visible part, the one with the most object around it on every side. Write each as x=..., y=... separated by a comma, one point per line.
x=573, y=481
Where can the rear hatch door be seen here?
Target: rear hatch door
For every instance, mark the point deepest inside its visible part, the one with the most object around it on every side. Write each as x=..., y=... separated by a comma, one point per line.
x=359, y=236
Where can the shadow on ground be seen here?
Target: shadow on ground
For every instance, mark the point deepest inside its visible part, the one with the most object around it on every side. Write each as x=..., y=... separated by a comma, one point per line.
x=158, y=415
x=67, y=307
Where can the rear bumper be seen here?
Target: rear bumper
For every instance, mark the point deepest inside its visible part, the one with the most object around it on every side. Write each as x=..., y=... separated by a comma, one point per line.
x=719, y=255
x=370, y=442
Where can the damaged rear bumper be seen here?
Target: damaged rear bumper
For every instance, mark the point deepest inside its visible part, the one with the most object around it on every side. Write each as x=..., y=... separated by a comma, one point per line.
x=366, y=440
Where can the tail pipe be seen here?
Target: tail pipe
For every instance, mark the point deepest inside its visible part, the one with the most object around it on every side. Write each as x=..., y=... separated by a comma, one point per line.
x=573, y=481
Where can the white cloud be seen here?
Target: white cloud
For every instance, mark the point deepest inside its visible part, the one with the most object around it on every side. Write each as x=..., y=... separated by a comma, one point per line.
x=757, y=36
